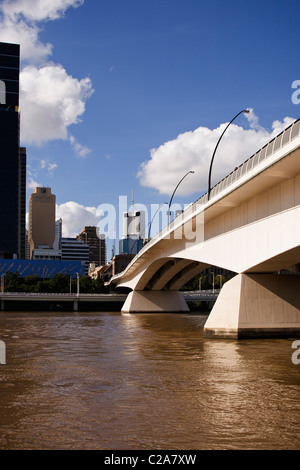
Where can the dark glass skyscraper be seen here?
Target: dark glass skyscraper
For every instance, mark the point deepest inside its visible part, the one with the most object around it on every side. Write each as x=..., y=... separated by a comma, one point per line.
x=12, y=159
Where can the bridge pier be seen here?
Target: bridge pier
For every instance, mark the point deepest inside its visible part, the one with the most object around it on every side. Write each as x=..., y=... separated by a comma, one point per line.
x=155, y=302
x=256, y=306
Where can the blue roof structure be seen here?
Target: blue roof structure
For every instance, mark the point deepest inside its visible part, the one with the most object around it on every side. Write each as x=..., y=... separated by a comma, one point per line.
x=44, y=269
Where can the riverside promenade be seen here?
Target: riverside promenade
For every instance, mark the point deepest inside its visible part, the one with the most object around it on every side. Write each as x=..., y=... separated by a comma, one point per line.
x=75, y=302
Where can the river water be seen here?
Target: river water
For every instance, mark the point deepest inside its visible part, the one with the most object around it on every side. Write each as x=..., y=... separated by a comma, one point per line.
x=142, y=382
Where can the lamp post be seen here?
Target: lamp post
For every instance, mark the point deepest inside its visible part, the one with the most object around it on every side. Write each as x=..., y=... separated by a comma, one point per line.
x=175, y=192
x=150, y=225
x=77, y=284
x=220, y=276
x=213, y=156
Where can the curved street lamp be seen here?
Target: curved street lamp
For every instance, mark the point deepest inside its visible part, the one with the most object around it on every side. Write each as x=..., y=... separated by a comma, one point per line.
x=77, y=284
x=150, y=225
x=175, y=192
x=212, y=159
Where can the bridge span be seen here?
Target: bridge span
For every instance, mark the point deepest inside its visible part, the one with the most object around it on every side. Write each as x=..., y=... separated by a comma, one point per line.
x=250, y=225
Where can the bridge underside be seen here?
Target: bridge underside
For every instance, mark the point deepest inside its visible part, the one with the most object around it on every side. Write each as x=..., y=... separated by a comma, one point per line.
x=169, y=274
x=258, y=303
x=248, y=306
x=158, y=288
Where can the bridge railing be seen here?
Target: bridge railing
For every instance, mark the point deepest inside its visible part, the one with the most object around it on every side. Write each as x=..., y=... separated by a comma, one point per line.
x=282, y=139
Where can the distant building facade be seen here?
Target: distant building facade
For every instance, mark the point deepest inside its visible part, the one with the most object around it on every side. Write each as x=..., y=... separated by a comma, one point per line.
x=75, y=250
x=130, y=246
x=133, y=232
x=44, y=269
x=134, y=224
x=97, y=245
x=41, y=230
x=120, y=262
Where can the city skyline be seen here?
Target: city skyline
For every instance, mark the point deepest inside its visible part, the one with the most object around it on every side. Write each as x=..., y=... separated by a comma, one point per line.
x=118, y=97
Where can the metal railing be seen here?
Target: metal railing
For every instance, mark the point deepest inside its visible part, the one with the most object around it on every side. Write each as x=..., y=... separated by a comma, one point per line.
x=282, y=139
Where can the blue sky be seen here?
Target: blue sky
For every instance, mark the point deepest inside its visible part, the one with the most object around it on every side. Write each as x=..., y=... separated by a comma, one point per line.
x=119, y=95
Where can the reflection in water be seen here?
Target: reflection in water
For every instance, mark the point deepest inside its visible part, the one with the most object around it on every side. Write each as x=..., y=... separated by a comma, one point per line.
x=107, y=381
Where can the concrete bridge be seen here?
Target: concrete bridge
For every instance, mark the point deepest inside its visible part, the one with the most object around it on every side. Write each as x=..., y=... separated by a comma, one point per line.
x=250, y=225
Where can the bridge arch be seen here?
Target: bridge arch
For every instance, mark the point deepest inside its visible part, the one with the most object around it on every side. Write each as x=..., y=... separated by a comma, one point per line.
x=170, y=273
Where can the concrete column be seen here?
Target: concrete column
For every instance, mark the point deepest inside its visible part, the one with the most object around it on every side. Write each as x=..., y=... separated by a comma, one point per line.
x=75, y=306
x=154, y=302
x=2, y=305
x=255, y=306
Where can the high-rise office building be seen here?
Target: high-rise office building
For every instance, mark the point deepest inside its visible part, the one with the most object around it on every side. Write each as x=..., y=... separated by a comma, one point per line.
x=12, y=158
x=41, y=230
x=133, y=232
x=134, y=224
x=96, y=243
x=75, y=250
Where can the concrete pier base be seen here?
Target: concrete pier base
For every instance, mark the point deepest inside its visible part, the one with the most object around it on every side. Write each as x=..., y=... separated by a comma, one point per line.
x=155, y=302
x=256, y=306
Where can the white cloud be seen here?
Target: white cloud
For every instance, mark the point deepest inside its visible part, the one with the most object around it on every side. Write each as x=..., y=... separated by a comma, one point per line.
x=20, y=32
x=193, y=151
x=31, y=183
x=38, y=10
x=52, y=167
x=20, y=24
x=51, y=100
x=75, y=216
x=48, y=166
x=81, y=150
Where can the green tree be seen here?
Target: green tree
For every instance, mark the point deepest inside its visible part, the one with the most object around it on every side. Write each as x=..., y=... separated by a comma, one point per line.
x=99, y=287
x=11, y=281
x=86, y=285
x=29, y=283
x=59, y=283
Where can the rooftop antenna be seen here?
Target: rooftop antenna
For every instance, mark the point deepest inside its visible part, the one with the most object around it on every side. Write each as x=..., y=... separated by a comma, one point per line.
x=113, y=251
x=132, y=201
